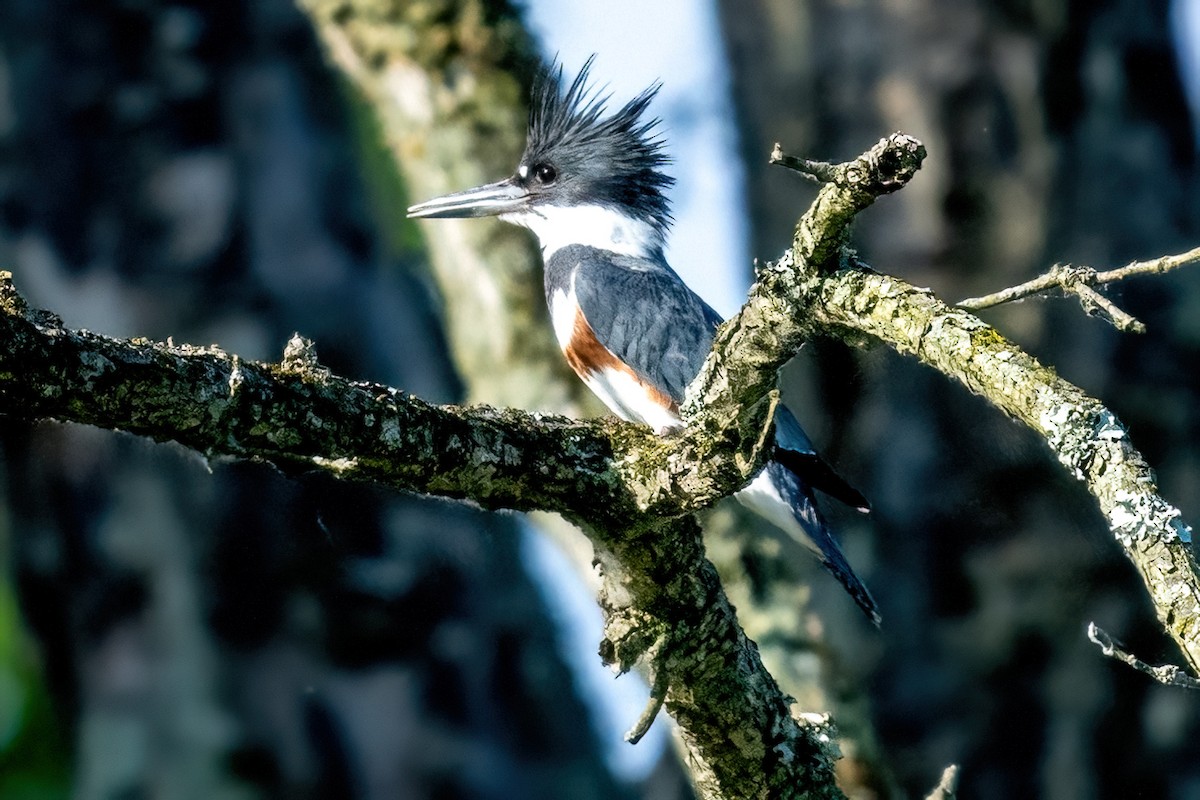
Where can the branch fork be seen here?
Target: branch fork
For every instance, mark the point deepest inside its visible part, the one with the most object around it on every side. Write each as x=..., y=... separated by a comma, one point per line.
x=1081, y=282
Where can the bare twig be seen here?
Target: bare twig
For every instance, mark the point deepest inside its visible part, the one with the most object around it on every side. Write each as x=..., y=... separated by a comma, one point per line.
x=658, y=692
x=884, y=168
x=947, y=788
x=1155, y=266
x=1166, y=674
x=815, y=171
x=1080, y=281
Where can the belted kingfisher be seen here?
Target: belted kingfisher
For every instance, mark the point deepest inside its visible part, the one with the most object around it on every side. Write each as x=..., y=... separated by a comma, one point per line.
x=590, y=187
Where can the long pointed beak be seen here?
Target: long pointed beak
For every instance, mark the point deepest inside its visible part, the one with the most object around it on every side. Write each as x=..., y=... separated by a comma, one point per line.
x=501, y=197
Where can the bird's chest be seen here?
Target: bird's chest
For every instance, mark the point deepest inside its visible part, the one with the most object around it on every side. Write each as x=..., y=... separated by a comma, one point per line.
x=628, y=394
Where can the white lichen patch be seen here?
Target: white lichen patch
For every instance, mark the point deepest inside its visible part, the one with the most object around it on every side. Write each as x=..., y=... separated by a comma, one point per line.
x=336, y=465
x=1136, y=517
x=1108, y=427
x=236, y=377
x=1055, y=421
x=389, y=432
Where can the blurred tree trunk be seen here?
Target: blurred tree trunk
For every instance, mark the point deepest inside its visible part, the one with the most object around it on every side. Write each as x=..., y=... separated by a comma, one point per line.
x=219, y=631
x=1056, y=131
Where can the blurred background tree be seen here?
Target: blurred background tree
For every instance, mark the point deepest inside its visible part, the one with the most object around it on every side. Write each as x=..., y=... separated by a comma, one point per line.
x=196, y=170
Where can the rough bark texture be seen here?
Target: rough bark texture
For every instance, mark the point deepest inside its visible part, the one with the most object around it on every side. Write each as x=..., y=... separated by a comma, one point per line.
x=1085, y=436
x=298, y=415
x=92, y=239
x=659, y=589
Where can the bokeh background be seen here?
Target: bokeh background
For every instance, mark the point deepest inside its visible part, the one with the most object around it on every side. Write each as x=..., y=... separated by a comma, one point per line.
x=175, y=628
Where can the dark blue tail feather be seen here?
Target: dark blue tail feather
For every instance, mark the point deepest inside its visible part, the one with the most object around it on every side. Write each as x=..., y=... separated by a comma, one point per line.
x=820, y=537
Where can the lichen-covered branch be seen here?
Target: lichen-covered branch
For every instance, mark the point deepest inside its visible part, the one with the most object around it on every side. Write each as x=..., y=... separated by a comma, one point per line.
x=666, y=602
x=1080, y=281
x=632, y=491
x=297, y=415
x=1085, y=436
x=809, y=291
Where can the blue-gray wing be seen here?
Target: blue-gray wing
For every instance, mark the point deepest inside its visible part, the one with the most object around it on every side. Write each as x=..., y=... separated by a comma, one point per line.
x=645, y=315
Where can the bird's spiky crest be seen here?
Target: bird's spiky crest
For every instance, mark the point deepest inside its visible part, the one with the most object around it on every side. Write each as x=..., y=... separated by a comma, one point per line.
x=616, y=157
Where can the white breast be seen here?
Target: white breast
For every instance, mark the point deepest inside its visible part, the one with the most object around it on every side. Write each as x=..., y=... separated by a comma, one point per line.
x=630, y=400
x=563, y=309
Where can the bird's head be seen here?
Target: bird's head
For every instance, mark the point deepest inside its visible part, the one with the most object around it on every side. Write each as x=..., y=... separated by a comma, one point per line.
x=585, y=176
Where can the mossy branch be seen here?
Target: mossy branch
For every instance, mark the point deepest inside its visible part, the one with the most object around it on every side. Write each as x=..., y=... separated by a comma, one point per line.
x=1085, y=436
x=633, y=493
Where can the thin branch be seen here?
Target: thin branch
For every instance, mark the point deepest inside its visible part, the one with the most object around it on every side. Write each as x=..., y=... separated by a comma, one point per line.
x=1097, y=305
x=1155, y=266
x=815, y=171
x=658, y=691
x=1080, y=281
x=1166, y=674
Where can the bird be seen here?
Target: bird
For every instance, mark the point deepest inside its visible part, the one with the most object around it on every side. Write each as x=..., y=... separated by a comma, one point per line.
x=591, y=187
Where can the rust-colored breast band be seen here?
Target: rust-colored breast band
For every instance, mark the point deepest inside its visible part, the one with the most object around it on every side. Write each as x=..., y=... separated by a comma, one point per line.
x=587, y=356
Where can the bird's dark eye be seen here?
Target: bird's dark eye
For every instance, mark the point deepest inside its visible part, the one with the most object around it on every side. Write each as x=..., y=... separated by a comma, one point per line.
x=544, y=173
